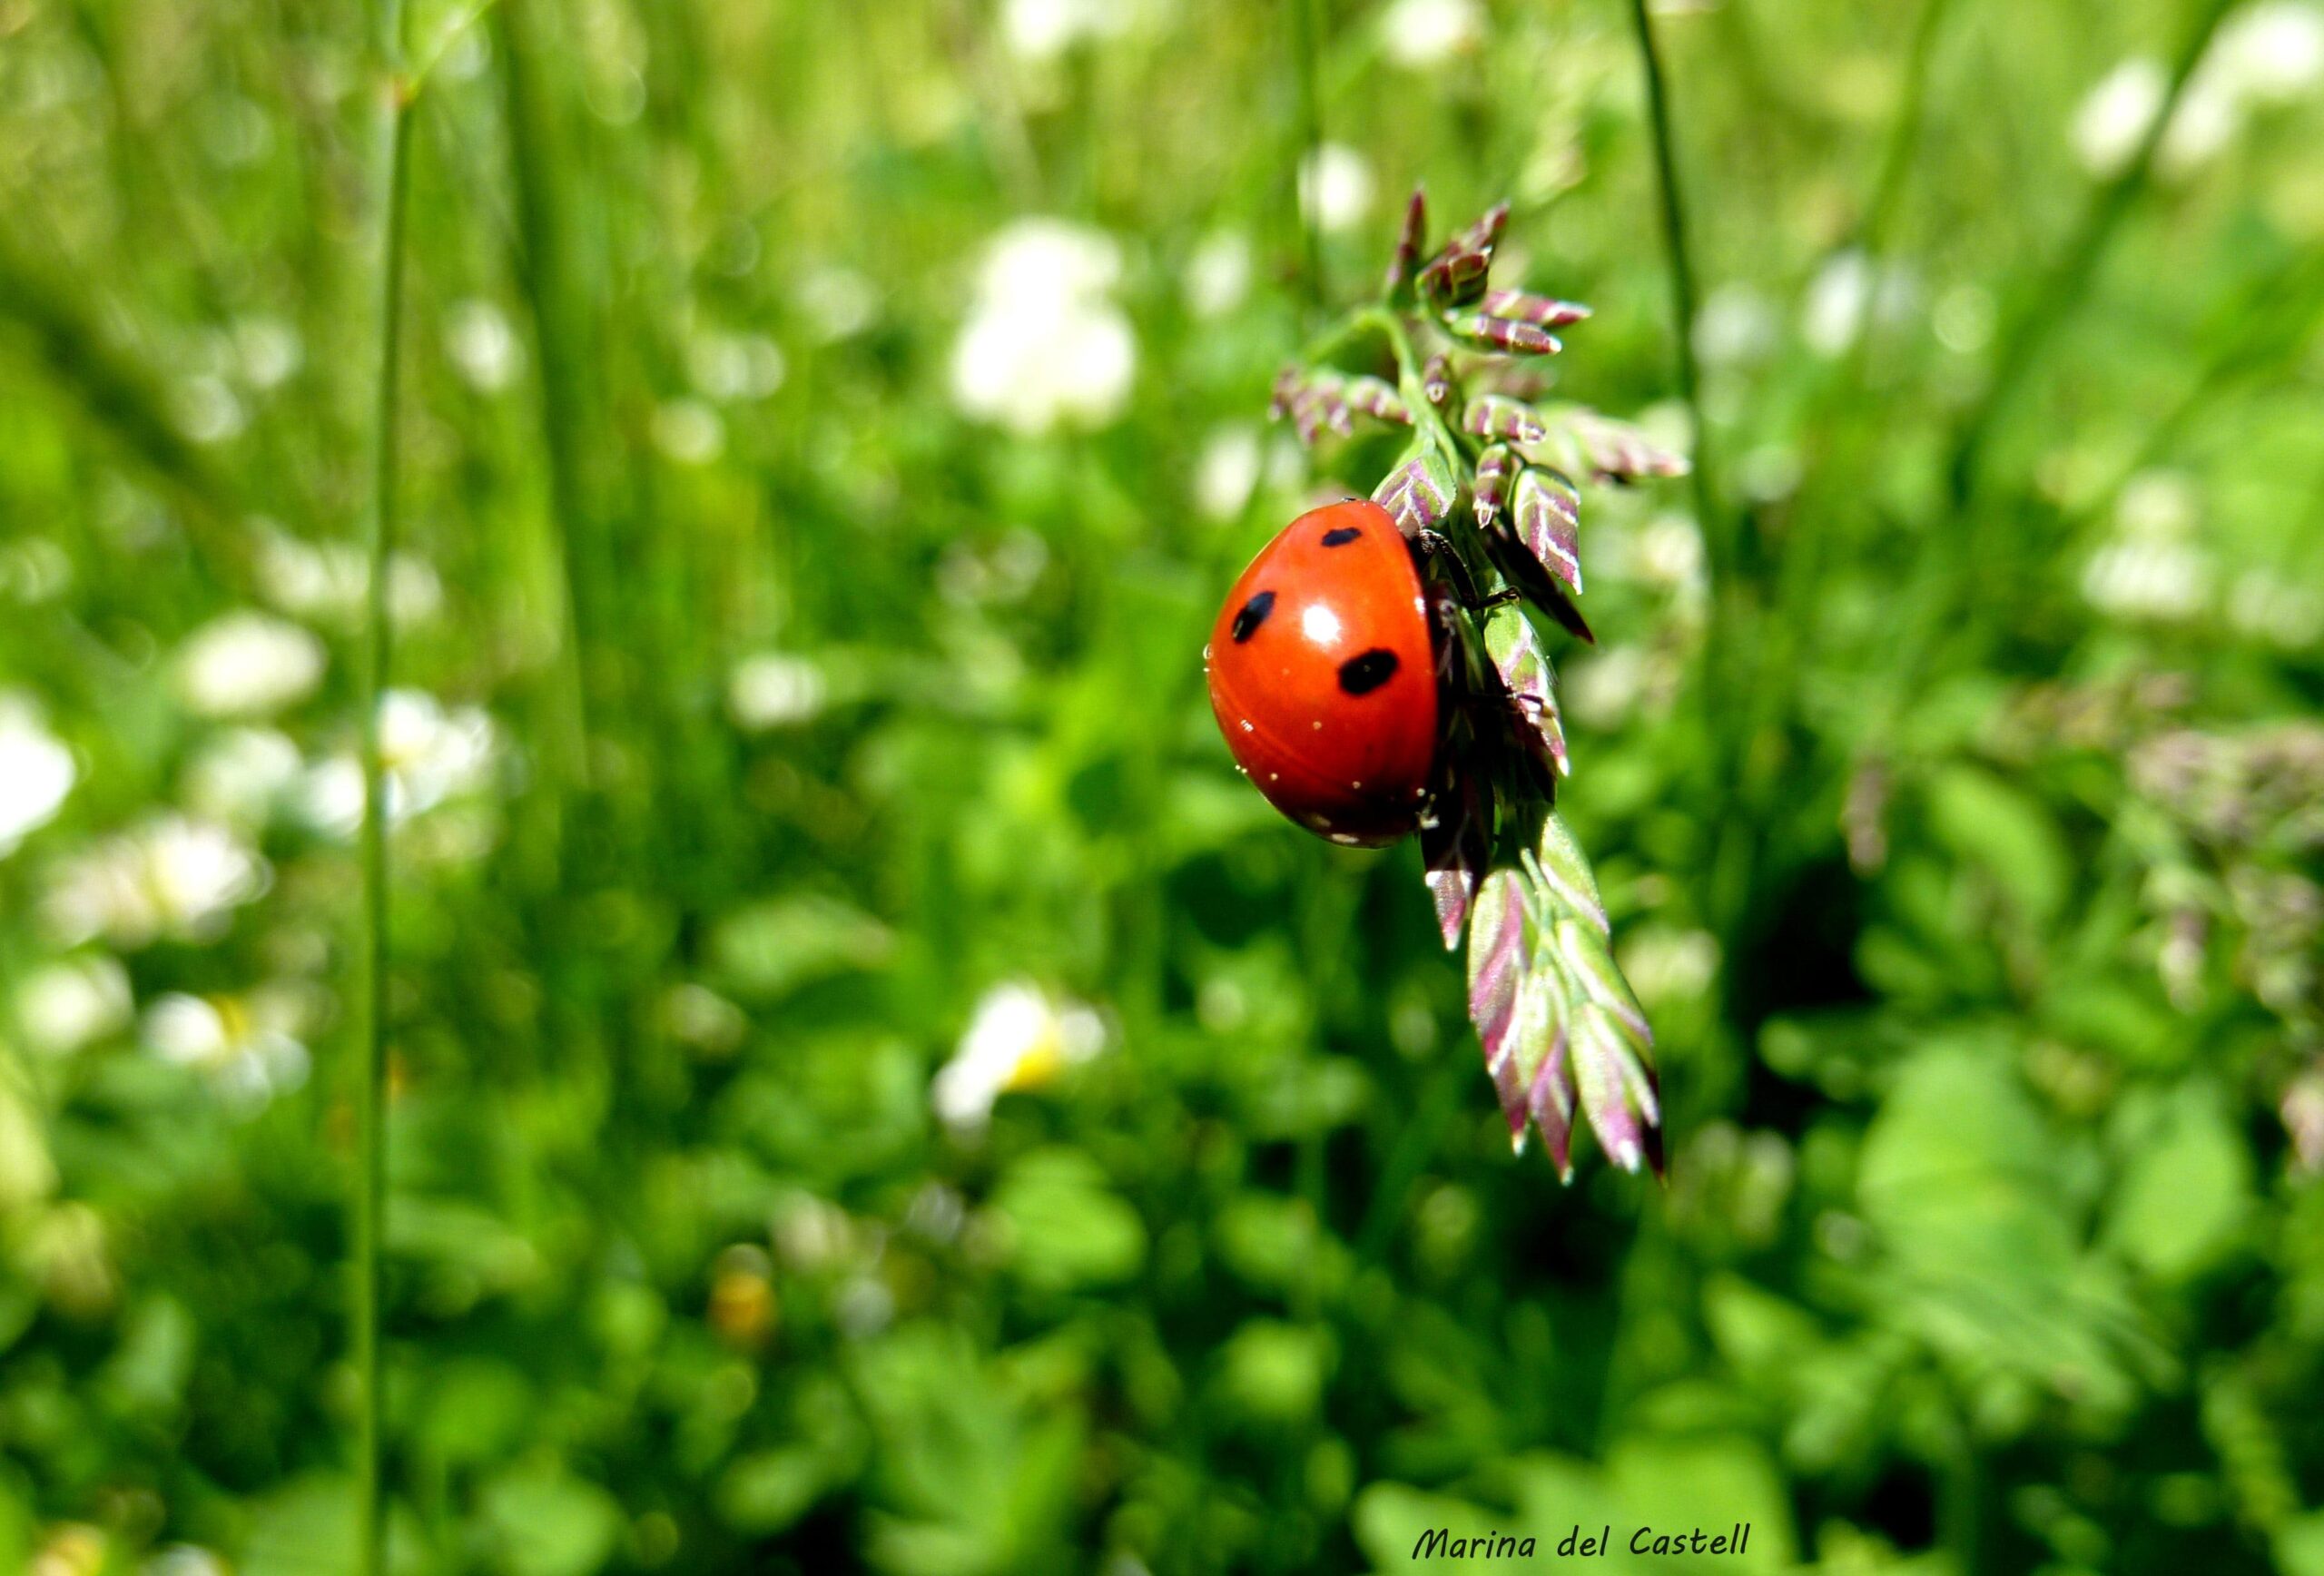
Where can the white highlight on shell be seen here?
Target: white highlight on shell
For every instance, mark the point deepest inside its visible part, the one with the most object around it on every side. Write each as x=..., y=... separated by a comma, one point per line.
x=1319, y=624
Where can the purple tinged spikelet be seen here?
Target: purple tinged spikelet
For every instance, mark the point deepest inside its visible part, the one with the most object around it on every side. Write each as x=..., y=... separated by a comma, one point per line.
x=1287, y=384
x=1499, y=416
x=1502, y=334
x=1485, y=233
x=1436, y=379
x=1492, y=486
x=1599, y=1058
x=1524, y=669
x=1405, y=266
x=1541, y=312
x=1581, y=440
x=1583, y=953
x=1497, y=955
x=1420, y=491
x=1548, y=1100
x=1456, y=275
x=1549, y=523
x=1454, y=846
x=1375, y=398
x=1566, y=874
x=1323, y=400
x=1536, y=1025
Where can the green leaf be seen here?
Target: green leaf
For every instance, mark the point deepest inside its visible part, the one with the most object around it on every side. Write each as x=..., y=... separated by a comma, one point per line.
x=765, y=1492
x=549, y=1523
x=2006, y=831
x=1067, y=1227
x=2185, y=1190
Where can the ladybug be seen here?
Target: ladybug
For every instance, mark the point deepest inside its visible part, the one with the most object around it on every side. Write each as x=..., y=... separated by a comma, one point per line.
x=1322, y=675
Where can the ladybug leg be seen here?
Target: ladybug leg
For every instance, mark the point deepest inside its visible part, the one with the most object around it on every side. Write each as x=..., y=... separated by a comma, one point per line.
x=1435, y=547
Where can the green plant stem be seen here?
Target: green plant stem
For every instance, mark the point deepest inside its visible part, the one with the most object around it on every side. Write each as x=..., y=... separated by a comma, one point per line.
x=1727, y=671
x=543, y=276
x=2066, y=285
x=1965, y=545
x=1305, y=45
x=370, y=1097
x=1722, y=537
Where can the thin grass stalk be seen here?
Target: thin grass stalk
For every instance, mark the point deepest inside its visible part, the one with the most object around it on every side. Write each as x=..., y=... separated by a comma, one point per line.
x=1305, y=45
x=2067, y=284
x=1837, y=434
x=543, y=274
x=1721, y=538
x=371, y=1098
x=1727, y=671
x=1950, y=602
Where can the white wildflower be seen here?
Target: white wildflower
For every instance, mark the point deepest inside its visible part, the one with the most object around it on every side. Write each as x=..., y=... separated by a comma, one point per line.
x=738, y=366
x=326, y=581
x=69, y=1004
x=1425, y=35
x=34, y=569
x=330, y=796
x=1602, y=688
x=1045, y=346
x=482, y=345
x=241, y=775
x=2115, y=114
x=697, y=1016
x=813, y=1234
x=170, y=876
x=207, y=409
x=2155, y=503
x=1736, y=326
x=688, y=431
x=1668, y=554
x=2210, y=112
x=248, y=665
x=1019, y=1038
x=2276, y=608
x=1847, y=289
x=429, y=754
x=268, y=350
x=1962, y=319
x=773, y=690
x=188, y=1559
x=1039, y=30
x=1666, y=964
x=1228, y=471
x=36, y=771
x=2113, y=118
x=249, y=1045
x=1336, y=187
x=837, y=303
x=2270, y=52
x=2134, y=577
x=432, y=753
x=1219, y=275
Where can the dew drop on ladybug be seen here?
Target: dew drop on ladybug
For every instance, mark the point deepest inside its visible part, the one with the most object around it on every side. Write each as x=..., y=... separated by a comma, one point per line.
x=1329, y=626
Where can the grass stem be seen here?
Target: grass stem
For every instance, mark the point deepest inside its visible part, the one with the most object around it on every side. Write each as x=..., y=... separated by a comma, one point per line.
x=370, y=1115
x=1726, y=672
x=1721, y=536
x=1306, y=178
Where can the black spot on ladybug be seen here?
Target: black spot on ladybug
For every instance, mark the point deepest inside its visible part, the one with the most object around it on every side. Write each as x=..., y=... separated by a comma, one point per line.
x=1254, y=613
x=1342, y=536
x=1360, y=675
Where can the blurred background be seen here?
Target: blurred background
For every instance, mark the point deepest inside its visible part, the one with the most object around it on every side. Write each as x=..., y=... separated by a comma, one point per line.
x=870, y=1087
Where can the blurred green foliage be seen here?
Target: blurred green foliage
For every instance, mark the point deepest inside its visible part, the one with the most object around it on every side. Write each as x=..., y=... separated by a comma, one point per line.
x=870, y=1088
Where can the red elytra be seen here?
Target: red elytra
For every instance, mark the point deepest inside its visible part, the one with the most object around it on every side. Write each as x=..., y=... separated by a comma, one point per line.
x=1322, y=675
